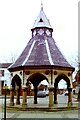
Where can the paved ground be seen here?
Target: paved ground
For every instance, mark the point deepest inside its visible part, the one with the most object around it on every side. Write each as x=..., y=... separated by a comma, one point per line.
x=39, y=114
x=42, y=102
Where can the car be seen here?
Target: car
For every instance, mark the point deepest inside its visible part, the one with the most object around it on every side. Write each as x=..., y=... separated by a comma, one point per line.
x=66, y=93
x=47, y=92
x=41, y=94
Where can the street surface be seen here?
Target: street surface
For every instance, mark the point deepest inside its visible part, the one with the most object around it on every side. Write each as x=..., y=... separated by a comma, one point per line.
x=62, y=100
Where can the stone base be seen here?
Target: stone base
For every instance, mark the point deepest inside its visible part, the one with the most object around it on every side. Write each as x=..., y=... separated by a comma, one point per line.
x=51, y=105
x=18, y=103
x=24, y=105
x=69, y=104
x=55, y=102
x=78, y=99
x=35, y=102
x=11, y=103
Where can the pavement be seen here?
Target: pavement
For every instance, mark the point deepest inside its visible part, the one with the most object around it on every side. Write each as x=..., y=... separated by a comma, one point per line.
x=25, y=115
x=40, y=110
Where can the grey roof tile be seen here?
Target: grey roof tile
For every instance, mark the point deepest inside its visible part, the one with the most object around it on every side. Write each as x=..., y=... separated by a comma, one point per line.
x=39, y=56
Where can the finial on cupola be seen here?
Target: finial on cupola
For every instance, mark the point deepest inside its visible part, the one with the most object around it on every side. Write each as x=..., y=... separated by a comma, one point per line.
x=41, y=5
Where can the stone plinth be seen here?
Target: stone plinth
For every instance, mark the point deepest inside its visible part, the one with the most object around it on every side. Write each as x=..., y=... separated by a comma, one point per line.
x=51, y=103
x=11, y=97
x=24, y=103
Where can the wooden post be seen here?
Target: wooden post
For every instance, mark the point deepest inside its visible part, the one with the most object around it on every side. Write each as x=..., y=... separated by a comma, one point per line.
x=11, y=97
x=55, y=95
x=24, y=104
x=17, y=95
x=51, y=103
x=69, y=96
x=35, y=94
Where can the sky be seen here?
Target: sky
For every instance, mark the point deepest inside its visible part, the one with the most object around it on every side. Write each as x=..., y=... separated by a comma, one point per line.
x=18, y=16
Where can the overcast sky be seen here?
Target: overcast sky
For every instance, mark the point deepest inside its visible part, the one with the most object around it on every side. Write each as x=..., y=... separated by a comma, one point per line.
x=17, y=18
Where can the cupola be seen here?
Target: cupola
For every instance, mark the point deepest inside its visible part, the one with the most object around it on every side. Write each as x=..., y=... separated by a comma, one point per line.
x=42, y=25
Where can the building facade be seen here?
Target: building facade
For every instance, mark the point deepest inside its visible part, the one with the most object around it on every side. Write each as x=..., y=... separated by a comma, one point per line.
x=4, y=76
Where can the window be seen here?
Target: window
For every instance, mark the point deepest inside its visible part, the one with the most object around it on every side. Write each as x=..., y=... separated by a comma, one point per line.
x=41, y=20
x=2, y=72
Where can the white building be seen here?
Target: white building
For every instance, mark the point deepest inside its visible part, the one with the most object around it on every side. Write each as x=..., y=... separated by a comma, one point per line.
x=4, y=75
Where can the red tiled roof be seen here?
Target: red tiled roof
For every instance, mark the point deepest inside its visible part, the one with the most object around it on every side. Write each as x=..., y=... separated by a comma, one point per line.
x=5, y=65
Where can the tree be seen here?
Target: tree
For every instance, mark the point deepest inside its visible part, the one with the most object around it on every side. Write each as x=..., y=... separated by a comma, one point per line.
x=76, y=63
x=10, y=58
x=78, y=82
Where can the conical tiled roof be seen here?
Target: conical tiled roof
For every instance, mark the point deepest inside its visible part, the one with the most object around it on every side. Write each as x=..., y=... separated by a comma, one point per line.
x=41, y=50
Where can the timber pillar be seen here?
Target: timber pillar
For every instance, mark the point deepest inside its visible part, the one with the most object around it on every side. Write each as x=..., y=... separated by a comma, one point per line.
x=51, y=103
x=78, y=97
x=69, y=96
x=35, y=94
x=17, y=95
x=24, y=103
x=11, y=97
x=55, y=95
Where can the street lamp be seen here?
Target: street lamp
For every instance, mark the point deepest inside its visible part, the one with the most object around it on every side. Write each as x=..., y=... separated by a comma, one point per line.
x=5, y=88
